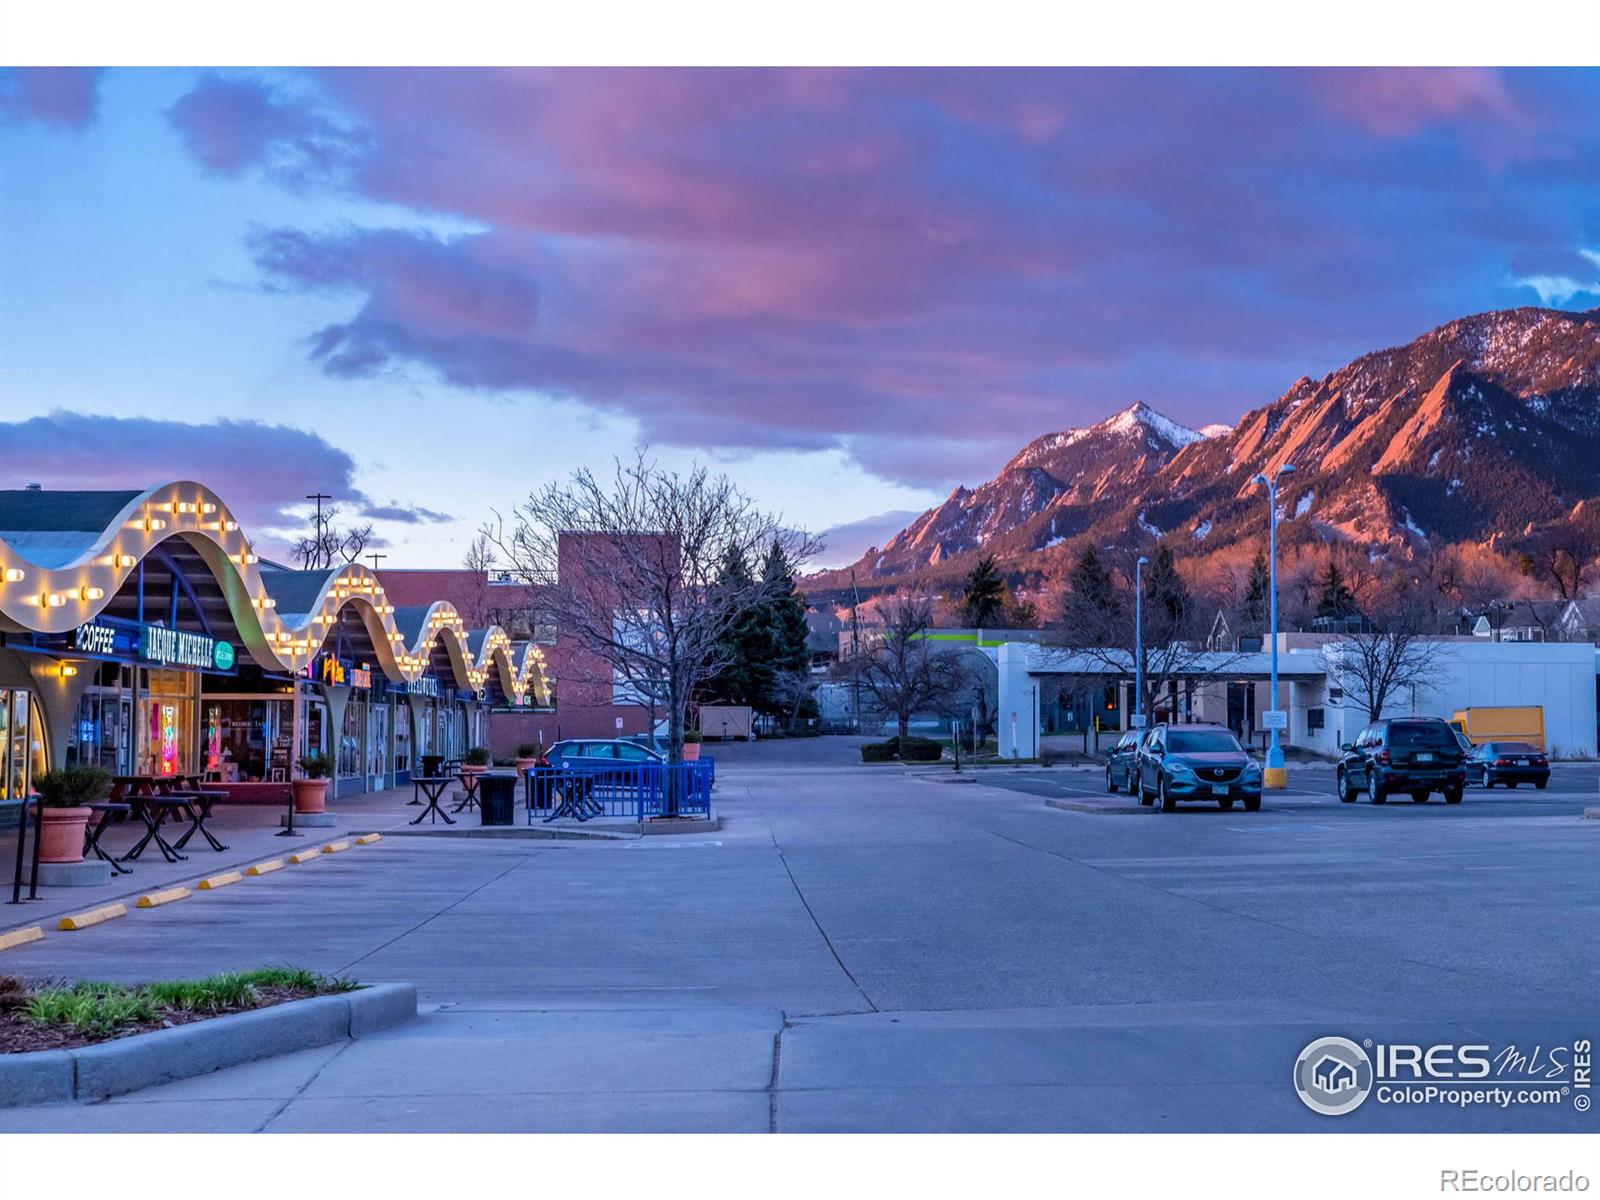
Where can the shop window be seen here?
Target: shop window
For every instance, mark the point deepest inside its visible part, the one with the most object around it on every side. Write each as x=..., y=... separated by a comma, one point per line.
x=1314, y=720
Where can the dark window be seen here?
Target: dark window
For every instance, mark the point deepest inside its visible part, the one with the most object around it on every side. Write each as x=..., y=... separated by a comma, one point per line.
x=1202, y=741
x=1405, y=736
x=1314, y=720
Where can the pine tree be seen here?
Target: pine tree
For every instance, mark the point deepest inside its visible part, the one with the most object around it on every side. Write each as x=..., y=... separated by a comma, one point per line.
x=1165, y=593
x=1257, y=594
x=1092, y=589
x=787, y=628
x=1336, y=599
x=984, y=595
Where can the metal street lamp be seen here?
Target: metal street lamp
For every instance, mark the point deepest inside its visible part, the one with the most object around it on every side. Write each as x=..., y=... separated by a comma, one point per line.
x=1277, y=774
x=1138, y=638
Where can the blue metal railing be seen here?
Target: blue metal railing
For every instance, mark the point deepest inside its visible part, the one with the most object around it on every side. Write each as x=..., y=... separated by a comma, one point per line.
x=636, y=791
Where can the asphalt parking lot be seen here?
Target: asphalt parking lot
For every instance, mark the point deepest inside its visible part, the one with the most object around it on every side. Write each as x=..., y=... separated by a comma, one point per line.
x=891, y=949
x=1574, y=787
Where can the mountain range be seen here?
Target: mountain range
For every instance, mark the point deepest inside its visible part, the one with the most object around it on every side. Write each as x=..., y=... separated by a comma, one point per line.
x=1482, y=429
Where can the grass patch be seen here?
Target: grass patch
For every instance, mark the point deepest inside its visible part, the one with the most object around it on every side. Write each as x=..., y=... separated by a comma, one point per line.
x=96, y=1010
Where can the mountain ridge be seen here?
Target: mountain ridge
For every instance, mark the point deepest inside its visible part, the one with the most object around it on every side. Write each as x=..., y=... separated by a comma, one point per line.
x=1475, y=430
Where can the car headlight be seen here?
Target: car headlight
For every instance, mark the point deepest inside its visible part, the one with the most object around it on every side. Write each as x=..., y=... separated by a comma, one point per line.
x=1252, y=769
x=1180, y=770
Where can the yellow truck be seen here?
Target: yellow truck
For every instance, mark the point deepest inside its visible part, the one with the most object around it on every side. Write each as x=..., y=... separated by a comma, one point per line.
x=1525, y=724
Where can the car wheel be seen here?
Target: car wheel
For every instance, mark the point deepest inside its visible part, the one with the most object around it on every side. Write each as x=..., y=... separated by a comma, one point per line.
x=1252, y=804
x=1512, y=784
x=1342, y=788
x=1419, y=797
x=1168, y=804
x=1137, y=783
x=1488, y=780
x=1225, y=803
x=1377, y=793
x=1453, y=795
x=1540, y=783
x=1111, y=784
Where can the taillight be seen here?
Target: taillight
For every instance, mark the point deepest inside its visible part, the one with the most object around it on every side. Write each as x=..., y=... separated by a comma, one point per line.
x=1539, y=760
x=1502, y=762
x=1383, y=757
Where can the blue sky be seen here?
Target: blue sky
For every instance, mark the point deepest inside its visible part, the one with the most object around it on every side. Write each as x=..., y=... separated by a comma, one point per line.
x=849, y=289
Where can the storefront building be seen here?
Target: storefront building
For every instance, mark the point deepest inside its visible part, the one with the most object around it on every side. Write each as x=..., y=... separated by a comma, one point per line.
x=139, y=631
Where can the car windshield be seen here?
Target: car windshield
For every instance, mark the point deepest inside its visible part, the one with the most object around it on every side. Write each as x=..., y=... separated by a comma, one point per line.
x=1403, y=737
x=1202, y=741
x=1514, y=748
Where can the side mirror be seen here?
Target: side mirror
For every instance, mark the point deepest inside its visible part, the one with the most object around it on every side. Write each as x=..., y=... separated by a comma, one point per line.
x=1347, y=747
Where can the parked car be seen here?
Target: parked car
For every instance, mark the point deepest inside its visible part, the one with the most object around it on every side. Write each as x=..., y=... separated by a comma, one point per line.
x=1196, y=762
x=1416, y=755
x=1119, y=765
x=597, y=755
x=1509, y=763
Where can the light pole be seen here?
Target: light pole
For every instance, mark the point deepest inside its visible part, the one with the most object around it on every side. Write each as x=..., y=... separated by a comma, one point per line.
x=1138, y=638
x=1276, y=774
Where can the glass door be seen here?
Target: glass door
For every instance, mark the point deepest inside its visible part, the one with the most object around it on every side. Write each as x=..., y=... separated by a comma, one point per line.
x=377, y=745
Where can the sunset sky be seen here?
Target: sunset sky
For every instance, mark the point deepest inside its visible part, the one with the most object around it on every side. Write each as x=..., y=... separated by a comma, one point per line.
x=428, y=291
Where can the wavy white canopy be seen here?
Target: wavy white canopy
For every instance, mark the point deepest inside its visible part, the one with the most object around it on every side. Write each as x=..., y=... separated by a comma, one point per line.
x=59, y=599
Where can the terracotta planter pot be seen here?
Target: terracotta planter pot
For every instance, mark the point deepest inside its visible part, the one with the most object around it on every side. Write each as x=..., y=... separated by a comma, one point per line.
x=472, y=769
x=310, y=795
x=524, y=764
x=691, y=752
x=61, y=834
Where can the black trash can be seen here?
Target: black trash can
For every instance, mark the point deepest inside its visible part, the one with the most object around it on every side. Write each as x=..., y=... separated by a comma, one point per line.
x=497, y=799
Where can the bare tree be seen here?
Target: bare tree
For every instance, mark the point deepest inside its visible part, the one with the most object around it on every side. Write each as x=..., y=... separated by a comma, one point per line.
x=1396, y=653
x=901, y=668
x=792, y=689
x=480, y=559
x=1100, y=628
x=327, y=542
x=629, y=568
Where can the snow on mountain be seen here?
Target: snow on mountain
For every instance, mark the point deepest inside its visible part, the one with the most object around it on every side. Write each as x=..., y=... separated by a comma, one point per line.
x=1480, y=429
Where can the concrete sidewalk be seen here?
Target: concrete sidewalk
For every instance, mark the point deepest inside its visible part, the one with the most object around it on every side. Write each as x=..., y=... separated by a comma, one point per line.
x=247, y=830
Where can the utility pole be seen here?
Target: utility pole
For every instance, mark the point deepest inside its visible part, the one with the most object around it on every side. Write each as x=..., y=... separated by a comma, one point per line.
x=375, y=557
x=855, y=649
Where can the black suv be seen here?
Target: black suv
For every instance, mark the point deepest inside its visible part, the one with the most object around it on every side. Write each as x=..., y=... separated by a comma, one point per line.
x=1416, y=755
x=1195, y=762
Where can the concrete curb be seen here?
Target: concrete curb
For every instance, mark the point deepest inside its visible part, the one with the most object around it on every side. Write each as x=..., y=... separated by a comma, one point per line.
x=147, y=1059
x=1592, y=813
x=1099, y=808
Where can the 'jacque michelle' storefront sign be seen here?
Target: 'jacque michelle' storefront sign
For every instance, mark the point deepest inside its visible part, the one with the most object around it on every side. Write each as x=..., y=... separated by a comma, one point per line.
x=153, y=644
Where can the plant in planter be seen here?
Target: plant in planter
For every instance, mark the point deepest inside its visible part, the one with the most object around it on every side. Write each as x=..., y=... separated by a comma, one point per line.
x=64, y=799
x=311, y=789
x=476, y=761
x=691, y=745
x=528, y=755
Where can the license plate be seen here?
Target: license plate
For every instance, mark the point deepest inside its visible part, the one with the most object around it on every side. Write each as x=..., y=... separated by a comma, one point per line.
x=1219, y=789
x=1424, y=756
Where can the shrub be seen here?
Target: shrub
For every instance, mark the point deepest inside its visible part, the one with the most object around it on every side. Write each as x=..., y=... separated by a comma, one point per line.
x=529, y=750
x=73, y=787
x=918, y=749
x=478, y=756
x=878, y=752
x=316, y=766
x=692, y=735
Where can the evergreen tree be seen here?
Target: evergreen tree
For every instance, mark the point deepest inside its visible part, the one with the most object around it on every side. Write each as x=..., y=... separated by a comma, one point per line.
x=741, y=646
x=786, y=627
x=1165, y=593
x=1336, y=599
x=1092, y=593
x=984, y=595
x=1257, y=594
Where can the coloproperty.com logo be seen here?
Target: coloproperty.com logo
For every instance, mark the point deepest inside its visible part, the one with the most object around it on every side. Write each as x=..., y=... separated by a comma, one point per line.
x=1335, y=1076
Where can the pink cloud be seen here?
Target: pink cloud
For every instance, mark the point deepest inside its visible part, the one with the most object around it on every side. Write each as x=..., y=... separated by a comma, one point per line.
x=872, y=260
x=55, y=95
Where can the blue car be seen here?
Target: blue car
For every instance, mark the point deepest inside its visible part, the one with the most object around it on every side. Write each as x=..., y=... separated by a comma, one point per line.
x=597, y=755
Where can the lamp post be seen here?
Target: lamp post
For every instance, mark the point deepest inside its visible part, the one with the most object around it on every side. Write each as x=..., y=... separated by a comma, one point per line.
x=1276, y=774
x=1138, y=638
